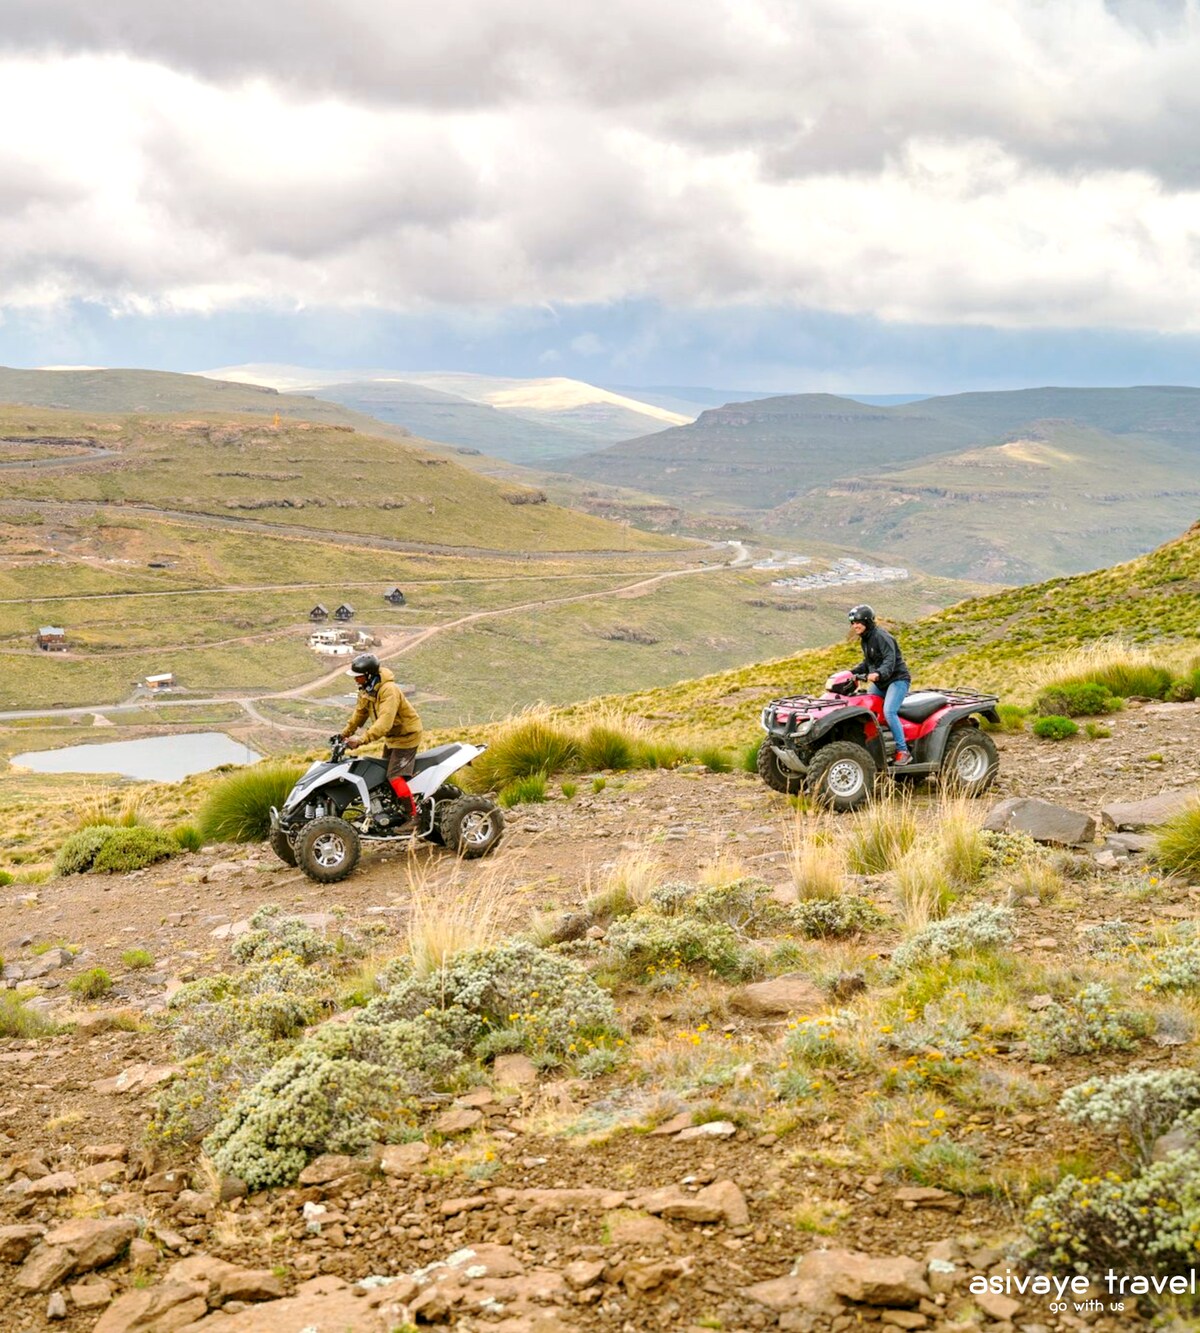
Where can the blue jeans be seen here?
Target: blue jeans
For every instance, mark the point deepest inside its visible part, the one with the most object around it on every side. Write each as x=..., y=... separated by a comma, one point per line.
x=892, y=698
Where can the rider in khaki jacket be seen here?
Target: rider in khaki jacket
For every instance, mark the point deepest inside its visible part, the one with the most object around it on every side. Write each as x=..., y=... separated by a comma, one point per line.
x=393, y=720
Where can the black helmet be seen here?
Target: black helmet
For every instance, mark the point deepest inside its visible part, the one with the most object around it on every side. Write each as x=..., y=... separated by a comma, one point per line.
x=366, y=664
x=862, y=615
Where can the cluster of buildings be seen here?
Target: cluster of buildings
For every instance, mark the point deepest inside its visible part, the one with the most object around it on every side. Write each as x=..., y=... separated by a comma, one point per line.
x=844, y=571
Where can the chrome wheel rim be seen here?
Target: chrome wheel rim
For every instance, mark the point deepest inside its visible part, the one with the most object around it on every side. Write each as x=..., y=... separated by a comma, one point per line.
x=970, y=764
x=845, y=778
x=329, y=850
x=476, y=828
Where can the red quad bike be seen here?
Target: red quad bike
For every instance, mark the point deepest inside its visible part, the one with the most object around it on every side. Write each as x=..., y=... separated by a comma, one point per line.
x=836, y=745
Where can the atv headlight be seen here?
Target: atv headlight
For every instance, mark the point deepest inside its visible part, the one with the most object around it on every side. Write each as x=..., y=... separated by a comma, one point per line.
x=804, y=728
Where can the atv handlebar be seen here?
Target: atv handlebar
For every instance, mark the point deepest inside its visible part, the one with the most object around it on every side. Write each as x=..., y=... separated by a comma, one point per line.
x=337, y=748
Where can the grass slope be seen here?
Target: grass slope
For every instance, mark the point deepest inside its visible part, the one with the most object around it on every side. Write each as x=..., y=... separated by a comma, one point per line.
x=451, y=419
x=989, y=642
x=303, y=474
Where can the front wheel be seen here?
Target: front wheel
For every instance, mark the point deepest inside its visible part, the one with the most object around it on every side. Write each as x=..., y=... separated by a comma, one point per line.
x=328, y=849
x=970, y=763
x=473, y=826
x=773, y=772
x=281, y=847
x=842, y=775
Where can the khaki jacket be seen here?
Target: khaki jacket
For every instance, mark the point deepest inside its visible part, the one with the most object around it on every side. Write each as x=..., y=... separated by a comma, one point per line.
x=393, y=719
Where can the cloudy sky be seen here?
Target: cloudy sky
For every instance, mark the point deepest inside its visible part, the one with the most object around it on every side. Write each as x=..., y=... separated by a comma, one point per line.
x=870, y=195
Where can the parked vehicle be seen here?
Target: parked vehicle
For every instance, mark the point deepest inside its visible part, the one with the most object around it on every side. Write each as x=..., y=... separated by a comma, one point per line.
x=341, y=803
x=836, y=745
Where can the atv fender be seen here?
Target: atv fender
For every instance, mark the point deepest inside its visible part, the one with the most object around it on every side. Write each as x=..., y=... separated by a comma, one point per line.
x=851, y=724
x=939, y=738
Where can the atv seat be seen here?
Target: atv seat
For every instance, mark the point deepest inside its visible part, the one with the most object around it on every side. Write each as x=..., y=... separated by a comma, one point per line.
x=921, y=705
x=434, y=756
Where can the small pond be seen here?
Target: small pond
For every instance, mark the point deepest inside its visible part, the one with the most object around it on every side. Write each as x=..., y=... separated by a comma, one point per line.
x=155, y=759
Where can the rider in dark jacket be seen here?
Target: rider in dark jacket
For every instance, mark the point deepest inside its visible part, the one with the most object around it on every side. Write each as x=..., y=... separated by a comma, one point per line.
x=884, y=671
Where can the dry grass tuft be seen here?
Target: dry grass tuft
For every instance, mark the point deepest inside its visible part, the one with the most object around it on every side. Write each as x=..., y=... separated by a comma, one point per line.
x=444, y=920
x=881, y=835
x=958, y=834
x=924, y=889
x=816, y=860
x=626, y=887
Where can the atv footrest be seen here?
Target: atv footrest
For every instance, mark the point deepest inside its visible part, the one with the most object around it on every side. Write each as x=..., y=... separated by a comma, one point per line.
x=921, y=769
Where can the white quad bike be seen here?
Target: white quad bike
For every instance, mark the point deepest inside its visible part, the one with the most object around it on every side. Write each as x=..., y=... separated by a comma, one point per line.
x=341, y=803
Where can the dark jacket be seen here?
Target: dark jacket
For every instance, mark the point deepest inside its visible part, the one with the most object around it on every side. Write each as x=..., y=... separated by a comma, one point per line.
x=393, y=719
x=881, y=653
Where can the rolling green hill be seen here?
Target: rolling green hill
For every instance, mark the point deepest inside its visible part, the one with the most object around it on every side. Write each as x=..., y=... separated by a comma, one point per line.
x=455, y=420
x=161, y=391
x=1060, y=499
x=303, y=475
x=924, y=481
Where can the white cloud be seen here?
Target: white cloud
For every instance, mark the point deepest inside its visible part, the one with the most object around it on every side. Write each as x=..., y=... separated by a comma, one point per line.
x=1007, y=162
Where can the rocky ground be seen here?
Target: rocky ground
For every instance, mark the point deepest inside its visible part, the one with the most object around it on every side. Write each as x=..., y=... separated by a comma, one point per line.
x=521, y=1209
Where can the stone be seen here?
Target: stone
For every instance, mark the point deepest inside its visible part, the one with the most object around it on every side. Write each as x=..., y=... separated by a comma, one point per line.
x=221, y=1281
x=673, y=1126
x=633, y=1229
x=791, y=993
x=163, y=1309
x=104, y=1152
x=329, y=1167
x=927, y=1196
x=1180, y=1139
x=78, y=1246
x=166, y=1182
x=143, y=1254
x=462, y=1121
x=583, y=1273
x=649, y=1274
x=793, y=1293
x=1042, y=820
x=1154, y=810
x=470, y=1204
x=516, y=1071
x=402, y=1159
x=93, y=1295
x=996, y=1305
x=137, y=1078
x=711, y=1129
x=61, y=1182
x=56, y=1306
x=895, y=1281
x=903, y=1319
x=17, y=1241
x=100, y=1173
x=721, y=1201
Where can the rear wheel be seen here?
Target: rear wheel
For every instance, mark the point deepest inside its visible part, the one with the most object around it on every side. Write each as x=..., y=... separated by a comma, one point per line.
x=842, y=775
x=328, y=849
x=473, y=826
x=773, y=772
x=970, y=763
x=445, y=796
x=281, y=847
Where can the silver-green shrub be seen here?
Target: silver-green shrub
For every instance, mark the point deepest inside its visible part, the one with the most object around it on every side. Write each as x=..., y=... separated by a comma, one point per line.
x=646, y=944
x=1175, y=968
x=1004, y=850
x=744, y=904
x=271, y=933
x=344, y=1088
x=969, y=932
x=1147, y=1224
x=835, y=918
x=1143, y=1104
x=510, y=997
x=1088, y=1021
